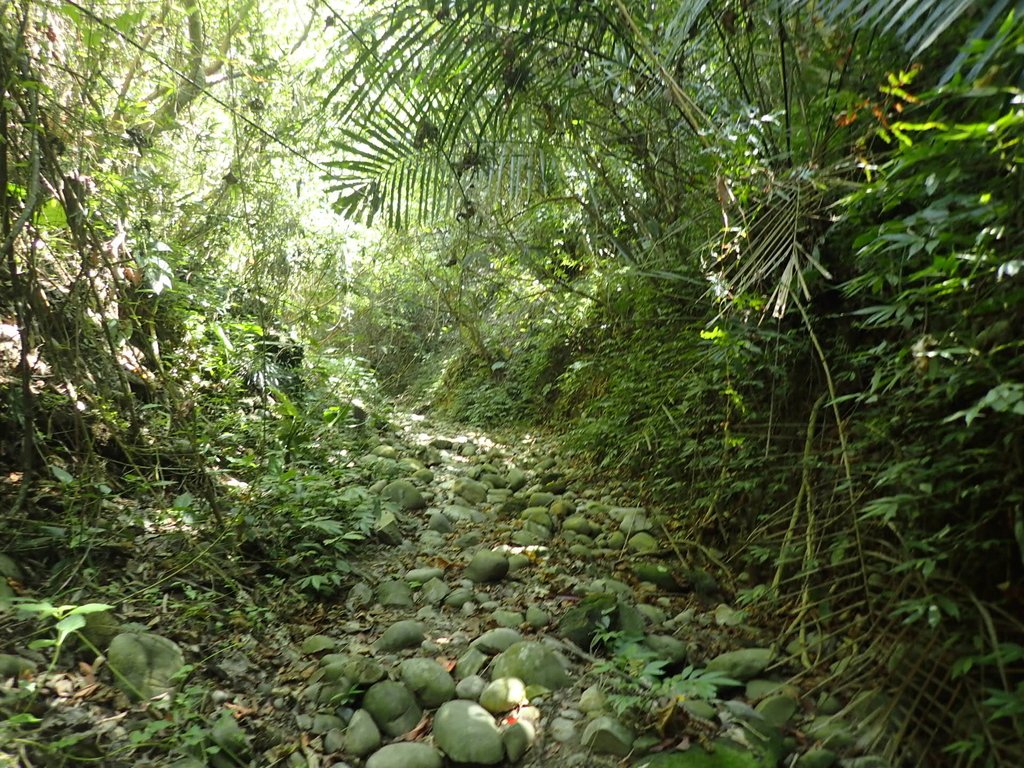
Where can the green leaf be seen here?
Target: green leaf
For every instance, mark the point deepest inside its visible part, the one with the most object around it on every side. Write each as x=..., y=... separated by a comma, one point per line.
x=126, y=22
x=62, y=475
x=22, y=718
x=30, y=606
x=51, y=215
x=90, y=608
x=67, y=625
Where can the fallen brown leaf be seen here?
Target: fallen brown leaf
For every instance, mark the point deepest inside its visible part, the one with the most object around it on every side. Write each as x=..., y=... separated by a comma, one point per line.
x=83, y=693
x=422, y=729
x=240, y=711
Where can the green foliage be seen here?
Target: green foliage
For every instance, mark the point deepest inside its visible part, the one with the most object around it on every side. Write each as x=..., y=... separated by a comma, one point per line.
x=920, y=23
x=303, y=516
x=640, y=679
x=938, y=270
x=865, y=441
x=515, y=390
x=70, y=618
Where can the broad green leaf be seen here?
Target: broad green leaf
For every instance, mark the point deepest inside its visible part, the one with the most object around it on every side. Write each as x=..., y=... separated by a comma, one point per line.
x=67, y=625
x=90, y=608
x=22, y=718
x=51, y=215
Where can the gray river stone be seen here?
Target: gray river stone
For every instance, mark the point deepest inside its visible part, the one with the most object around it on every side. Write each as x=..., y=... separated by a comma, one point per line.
x=434, y=591
x=428, y=680
x=561, y=508
x=402, y=634
x=394, y=594
x=467, y=733
x=385, y=452
x=503, y=694
x=413, y=754
x=470, y=663
x=392, y=707
x=472, y=491
x=459, y=597
x=497, y=640
x=458, y=513
x=316, y=643
x=608, y=736
x=778, y=709
x=667, y=647
x=642, y=542
x=363, y=670
x=579, y=524
x=423, y=575
x=362, y=736
x=515, y=479
x=518, y=738
x=439, y=523
x=635, y=521
x=539, y=515
x=360, y=596
x=470, y=688
x=657, y=574
x=505, y=618
x=493, y=480
x=487, y=565
x=531, y=535
x=536, y=617
x=404, y=494
x=144, y=664
x=533, y=663
x=101, y=627
x=741, y=665
x=541, y=499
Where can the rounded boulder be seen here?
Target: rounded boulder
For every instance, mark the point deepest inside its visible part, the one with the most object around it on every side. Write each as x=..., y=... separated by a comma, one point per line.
x=467, y=733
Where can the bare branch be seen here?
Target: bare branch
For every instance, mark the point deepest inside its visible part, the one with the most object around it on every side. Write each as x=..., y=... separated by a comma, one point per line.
x=199, y=75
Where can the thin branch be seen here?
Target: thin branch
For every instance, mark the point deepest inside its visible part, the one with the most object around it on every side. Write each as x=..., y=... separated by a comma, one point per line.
x=216, y=99
x=691, y=113
x=11, y=233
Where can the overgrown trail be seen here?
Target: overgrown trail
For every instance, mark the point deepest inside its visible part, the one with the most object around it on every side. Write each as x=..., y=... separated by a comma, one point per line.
x=507, y=613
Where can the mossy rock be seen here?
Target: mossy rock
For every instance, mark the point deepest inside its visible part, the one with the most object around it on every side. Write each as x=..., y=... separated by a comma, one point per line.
x=726, y=755
x=581, y=622
x=658, y=575
x=533, y=663
x=100, y=629
x=144, y=664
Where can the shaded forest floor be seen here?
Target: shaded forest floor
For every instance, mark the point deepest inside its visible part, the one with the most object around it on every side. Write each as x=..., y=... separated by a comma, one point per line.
x=488, y=563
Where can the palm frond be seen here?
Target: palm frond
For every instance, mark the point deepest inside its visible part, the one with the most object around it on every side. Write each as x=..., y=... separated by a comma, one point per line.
x=773, y=248
x=918, y=24
x=480, y=91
